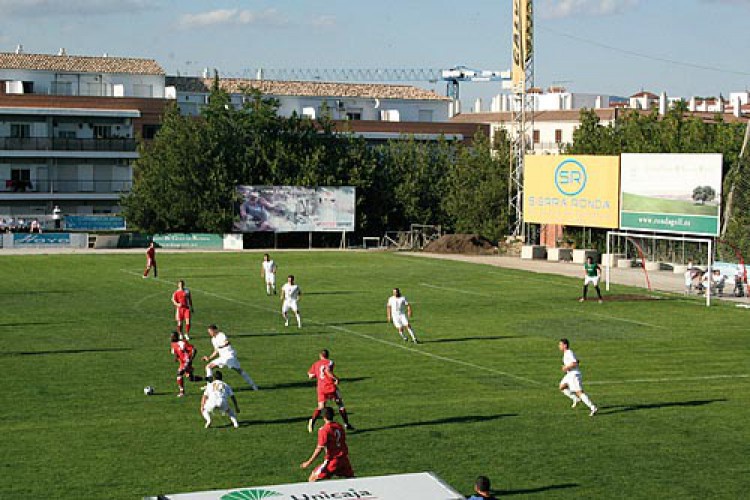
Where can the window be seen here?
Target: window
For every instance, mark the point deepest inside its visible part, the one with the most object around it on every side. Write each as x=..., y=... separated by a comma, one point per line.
x=94, y=89
x=66, y=134
x=20, y=130
x=102, y=131
x=150, y=131
x=140, y=90
x=425, y=115
x=558, y=135
x=28, y=87
x=61, y=88
x=354, y=115
x=20, y=179
x=536, y=137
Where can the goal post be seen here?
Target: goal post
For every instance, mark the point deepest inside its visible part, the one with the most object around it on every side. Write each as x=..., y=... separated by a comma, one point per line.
x=631, y=238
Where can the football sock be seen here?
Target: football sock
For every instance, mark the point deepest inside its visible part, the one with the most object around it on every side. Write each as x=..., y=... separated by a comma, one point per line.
x=598, y=292
x=411, y=333
x=585, y=290
x=181, y=383
x=247, y=378
x=316, y=415
x=209, y=373
x=344, y=416
x=299, y=321
x=587, y=401
x=187, y=329
x=233, y=418
x=207, y=416
x=570, y=394
x=268, y=289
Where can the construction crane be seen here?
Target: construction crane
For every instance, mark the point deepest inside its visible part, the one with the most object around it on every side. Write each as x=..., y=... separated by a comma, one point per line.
x=452, y=76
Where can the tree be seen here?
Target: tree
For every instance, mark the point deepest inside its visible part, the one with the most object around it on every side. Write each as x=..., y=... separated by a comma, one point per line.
x=702, y=194
x=476, y=199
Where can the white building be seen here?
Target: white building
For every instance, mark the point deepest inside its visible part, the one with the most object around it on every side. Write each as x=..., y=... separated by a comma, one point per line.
x=68, y=129
x=341, y=101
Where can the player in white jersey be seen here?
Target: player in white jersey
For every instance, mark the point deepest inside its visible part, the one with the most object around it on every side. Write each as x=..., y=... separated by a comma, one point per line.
x=290, y=294
x=216, y=396
x=268, y=272
x=225, y=356
x=571, y=384
x=398, y=310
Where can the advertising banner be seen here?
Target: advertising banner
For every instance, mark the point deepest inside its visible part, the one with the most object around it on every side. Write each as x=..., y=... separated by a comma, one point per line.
x=419, y=486
x=523, y=41
x=284, y=209
x=45, y=240
x=571, y=190
x=94, y=223
x=189, y=240
x=671, y=193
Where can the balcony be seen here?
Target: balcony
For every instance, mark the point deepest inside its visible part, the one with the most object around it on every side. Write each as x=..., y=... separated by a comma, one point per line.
x=44, y=187
x=59, y=144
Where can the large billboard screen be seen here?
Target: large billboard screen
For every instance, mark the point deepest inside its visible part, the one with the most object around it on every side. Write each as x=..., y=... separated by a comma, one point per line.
x=571, y=190
x=671, y=193
x=284, y=209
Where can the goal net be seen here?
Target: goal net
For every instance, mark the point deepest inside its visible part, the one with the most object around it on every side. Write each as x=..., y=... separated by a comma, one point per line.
x=668, y=263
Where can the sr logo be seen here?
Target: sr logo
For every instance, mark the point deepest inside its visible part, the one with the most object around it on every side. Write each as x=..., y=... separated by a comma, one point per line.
x=570, y=177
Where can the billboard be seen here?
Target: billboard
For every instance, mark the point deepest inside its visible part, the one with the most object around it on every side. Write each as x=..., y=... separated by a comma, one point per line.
x=94, y=223
x=571, y=190
x=415, y=486
x=283, y=209
x=671, y=193
x=523, y=41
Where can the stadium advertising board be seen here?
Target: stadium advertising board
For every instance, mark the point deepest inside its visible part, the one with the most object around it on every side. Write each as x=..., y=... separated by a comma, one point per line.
x=189, y=240
x=44, y=240
x=284, y=209
x=94, y=223
x=671, y=193
x=571, y=190
x=419, y=486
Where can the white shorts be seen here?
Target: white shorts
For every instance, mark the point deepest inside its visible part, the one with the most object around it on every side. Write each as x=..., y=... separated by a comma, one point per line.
x=591, y=280
x=271, y=279
x=573, y=381
x=232, y=363
x=400, y=320
x=222, y=406
x=289, y=304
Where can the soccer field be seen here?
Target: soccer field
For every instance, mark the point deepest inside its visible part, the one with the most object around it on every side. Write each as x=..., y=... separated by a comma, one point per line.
x=81, y=335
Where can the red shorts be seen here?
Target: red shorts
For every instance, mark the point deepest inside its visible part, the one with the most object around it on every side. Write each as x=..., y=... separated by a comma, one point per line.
x=336, y=467
x=185, y=368
x=182, y=313
x=150, y=262
x=328, y=396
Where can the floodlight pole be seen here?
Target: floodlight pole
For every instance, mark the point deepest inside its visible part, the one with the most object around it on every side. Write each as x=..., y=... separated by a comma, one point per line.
x=607, y=264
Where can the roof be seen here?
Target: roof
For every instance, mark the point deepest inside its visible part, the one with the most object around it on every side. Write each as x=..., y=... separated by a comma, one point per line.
x=307, y=89
x=573, y=115
x=80, y=64
x=644, y=93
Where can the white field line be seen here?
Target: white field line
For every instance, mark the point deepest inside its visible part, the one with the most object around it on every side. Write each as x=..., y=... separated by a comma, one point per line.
x=668, y=379
x=358, y=334
x=587, y=312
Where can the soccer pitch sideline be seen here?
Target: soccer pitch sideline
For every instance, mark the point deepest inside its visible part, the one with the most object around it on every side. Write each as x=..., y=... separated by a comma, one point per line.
x=81, y=335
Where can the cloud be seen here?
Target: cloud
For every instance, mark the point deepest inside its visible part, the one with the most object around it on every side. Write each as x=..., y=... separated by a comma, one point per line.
x=557, y=9
x=324, y=21
x=231, y=17
x=54, y=8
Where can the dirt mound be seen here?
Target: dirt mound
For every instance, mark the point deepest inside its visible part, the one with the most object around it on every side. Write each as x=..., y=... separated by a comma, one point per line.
x=461, y=243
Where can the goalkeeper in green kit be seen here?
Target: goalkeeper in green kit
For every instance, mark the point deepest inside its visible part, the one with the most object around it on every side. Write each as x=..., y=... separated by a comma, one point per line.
x=593, y=273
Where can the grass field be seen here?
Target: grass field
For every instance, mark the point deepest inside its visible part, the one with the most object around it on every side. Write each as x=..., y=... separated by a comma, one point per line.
x=637, y=203
x=81, y=335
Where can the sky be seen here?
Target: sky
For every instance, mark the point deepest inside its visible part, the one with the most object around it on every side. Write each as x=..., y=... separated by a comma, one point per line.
x=613, y=47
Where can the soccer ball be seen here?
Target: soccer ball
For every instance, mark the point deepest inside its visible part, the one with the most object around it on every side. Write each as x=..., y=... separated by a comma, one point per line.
x=148, y=390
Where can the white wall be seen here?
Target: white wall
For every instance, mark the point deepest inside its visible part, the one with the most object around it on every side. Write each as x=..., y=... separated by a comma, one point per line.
x=88, y=83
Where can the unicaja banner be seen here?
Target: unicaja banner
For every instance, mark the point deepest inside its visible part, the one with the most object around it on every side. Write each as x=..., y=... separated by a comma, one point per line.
x=418, y=486
x=671, y=193
x=571, y=190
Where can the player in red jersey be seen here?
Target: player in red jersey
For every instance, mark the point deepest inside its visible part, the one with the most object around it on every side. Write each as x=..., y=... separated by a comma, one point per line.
x=332, y=438
x=184, y=352
x=183, y=303
x=150, y=260
x=328, y=389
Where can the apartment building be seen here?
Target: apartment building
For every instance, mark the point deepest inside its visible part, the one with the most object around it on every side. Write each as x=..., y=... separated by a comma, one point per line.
x=69, y=127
